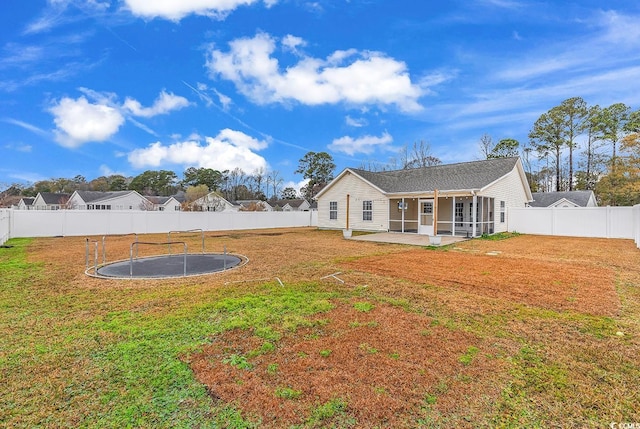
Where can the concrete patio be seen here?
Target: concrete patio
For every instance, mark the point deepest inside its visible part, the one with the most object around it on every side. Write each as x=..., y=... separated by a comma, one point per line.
x=406, y=238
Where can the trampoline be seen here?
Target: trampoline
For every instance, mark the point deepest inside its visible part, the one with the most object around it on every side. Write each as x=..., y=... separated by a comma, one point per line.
x=164, y=266
x=169, y=265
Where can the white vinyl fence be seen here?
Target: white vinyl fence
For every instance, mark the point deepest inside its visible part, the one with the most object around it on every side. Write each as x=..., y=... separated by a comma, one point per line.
x=604, y=222
x=37, y=223
x=5, y=225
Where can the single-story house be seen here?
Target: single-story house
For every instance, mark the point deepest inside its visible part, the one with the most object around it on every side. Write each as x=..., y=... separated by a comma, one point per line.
x=113, y=200
x=292, y=205
x=564, y=199
x=25, y=203
x=213, y=202
x=50, y=201
x=469, y=198
x=164, y=203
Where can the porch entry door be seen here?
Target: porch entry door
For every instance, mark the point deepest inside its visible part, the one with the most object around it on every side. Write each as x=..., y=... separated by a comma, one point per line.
x=425, y=217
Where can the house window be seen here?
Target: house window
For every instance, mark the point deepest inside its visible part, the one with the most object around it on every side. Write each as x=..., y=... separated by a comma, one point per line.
x=333, y=210
x=502, y=211
x=161, y=209
x=459, y=213
x=367, y=210
x=427, y=207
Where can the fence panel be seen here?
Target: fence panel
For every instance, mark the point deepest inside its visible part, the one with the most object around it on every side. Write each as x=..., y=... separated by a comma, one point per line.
x=43, y=223
x=636, y=219
x=5, y=225
x=604, y=222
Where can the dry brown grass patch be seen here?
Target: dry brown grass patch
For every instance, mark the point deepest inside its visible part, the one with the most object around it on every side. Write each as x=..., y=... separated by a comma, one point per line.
x=558, y=285
x=386, y=364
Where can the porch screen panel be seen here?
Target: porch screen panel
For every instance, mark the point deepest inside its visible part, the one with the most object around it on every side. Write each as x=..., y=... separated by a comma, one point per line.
x=459, y=214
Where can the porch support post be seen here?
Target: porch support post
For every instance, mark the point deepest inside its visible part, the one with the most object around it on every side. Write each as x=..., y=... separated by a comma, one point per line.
x=435, y=212
x=473, y=215
x=453, y=216
x=402, y=216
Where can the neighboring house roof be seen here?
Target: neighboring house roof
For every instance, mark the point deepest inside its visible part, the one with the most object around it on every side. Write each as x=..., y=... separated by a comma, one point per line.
x=548, y=199
x=294, y=203
x=97, y=196
x=158, y=200
x=474, y=175
x=245, y=203
x=27, y=201
x=54, y=198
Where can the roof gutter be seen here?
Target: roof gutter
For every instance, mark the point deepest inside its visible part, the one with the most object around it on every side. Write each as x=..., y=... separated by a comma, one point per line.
x=450, y=192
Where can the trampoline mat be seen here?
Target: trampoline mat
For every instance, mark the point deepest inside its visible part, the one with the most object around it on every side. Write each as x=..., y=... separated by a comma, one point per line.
x=170, y=266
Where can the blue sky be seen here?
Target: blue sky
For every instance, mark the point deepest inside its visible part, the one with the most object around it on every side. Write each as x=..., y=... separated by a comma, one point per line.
x=99, y=87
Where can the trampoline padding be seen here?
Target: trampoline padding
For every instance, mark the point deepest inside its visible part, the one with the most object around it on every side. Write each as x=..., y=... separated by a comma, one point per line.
x=170, y=266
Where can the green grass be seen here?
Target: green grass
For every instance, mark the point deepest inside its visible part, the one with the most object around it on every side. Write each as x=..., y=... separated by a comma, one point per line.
x=116, y=356
x=113, y=357
x=498, y=236
x=288, y=393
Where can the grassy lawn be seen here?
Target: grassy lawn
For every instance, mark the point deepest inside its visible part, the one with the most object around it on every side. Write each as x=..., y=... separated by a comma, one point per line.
x=545, y=332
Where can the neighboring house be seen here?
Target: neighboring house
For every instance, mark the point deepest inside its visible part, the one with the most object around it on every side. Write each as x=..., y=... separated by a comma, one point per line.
x=564, y=199
x=251, y=205
x=212, y=202
x=161, y=204
x=293, y=205
x=114, y=200
x=50, y=201
x=25, y=203
x=470, y=198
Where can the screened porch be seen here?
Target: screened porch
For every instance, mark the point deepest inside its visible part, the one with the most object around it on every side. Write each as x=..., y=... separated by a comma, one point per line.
x=448, y=215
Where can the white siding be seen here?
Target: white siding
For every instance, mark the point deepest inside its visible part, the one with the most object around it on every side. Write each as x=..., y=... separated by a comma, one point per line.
x=359, y=191
x=75, y=202
x=509, y=189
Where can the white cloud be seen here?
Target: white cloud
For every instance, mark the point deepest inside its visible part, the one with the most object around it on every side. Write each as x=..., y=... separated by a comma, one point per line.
x=165, y=103
x=355, y=122
x=292, y=43
x=368, y=77
x=296, y=185
x=26, y=126
x=228, y=150
x=615, y=40
x=176, y=10
x=79, y=121
x=224, y=100
x=19, y=147
x=366, y=144
x=105, y=170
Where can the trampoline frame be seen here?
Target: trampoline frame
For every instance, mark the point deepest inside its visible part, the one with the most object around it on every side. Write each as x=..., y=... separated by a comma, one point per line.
x=92, y=271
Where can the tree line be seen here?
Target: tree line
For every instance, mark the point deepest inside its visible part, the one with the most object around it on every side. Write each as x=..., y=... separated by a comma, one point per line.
x=233, y=185
x=574, y=146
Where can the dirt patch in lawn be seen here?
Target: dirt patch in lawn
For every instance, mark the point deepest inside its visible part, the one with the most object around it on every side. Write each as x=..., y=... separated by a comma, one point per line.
x=557, y=285
x=378, y=363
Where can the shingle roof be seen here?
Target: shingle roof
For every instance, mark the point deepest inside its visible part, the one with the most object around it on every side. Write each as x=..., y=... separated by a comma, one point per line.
x=28, y=201
x=546, y=199
x=460, y=176
x=96, y=196
x=54, y=198
x=296, y=202
x=157, y=199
